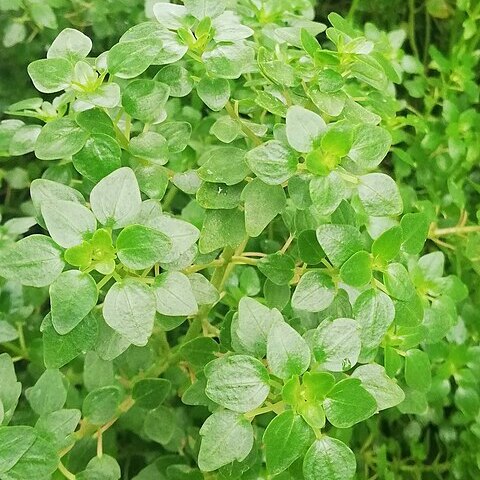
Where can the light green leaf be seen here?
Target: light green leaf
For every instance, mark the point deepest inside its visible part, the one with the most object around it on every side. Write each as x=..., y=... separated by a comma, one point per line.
x=379, y=195
x=69, y=223
x=414, y=231
x=224, y=165
x=51, y=75
x=170, y=16
x=174, y=295
x=129, y=308
x=57, y=426
x=339, y=242
x=226, y=437
x=287, y=352
x=35, y=261
x=10, y=391
x=70, y=44
x=329, y=458
x=14, y=443
x=214, y=92
x=150, y=146
x=238, y=382
x=101, y=405
x=370, y=146
x=277, y=267
x=228, y=60
x=418, y=372
x=387, y=246
x=304, y=128
x=327, y=192
x=204, y=292
x=104, y=467
x=116, y=199
x=314, y=293
x=48, y=394
x=204, y=8
x=262, y=204
x=145, y=99
x=357, y=270
x=151, y=392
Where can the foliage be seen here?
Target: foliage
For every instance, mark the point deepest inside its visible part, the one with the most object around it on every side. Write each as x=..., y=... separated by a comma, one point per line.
x=236, y=244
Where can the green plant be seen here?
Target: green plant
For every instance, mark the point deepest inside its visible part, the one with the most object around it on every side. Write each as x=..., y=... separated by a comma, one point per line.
x=218, y=278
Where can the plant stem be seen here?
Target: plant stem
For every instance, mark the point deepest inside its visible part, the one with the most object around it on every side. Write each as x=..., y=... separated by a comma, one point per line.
x=441, y=232
x=245, y=129
x=66, y=473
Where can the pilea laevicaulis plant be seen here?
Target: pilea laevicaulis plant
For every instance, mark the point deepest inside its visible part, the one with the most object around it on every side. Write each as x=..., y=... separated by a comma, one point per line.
x=214, y=274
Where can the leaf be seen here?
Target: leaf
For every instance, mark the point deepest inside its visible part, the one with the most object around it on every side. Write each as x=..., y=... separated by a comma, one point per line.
x=272, y=162
x=327, y=192
x=357, y=270
x=57, y=426
x=35, y=261
x=214, y=92
x=60, y=138
x=51, y=75
x=72, y=296
x=14, y=443
x=204, y=8
x=398, y=283
x=48, y=394
x=174, y=295
x=150, y=146
x=129, y=308
x=374, y=312
x=286, y=438
x=418, y=373
x=160, y=425
x=339, y=242
x=414, y=232
x=379, y=195
x=116, y=200
x=336, y=344
x=219, y=196
x=70, y=44
x=58, y=350
x=130, y=59
x=239, y=382
x=287, y=352
x=10, y=391
x=100, y=156
x=387, y=246
x=349, y=403
x=145, y=99
x=314, y=292
x=104, y=467
x=277, y=267
x=170, y=16
x=222, y=228
x=370, y=146
x=262, y=204
x=224, y=165
x=140, y=247
x=151, y=392
x=226, y=437
x=228, y=60
x=252, y=325
x=204, y=292
x=101, y=404
x=374, y=379
x=329, y=458
x=68, y=223
x=304, y=128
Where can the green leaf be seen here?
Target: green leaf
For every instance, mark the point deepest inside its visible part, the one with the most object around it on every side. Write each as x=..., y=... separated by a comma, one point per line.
x=239, y=382
x=151, y=392
x=160, y=425
x=101, y=405
x=304, y=128
x=72, y=296
x=35, y=261
x=145, y=99
x=204, y=292
x=252, y=325
x=14, y=443
x=58, y=350
x=224, y=165
x=219, y=195
x=129, y=308
x=104, y=467
x=204, y=8
x=286, y=438
x=99, y=157
x=287, y=352
x=336, y=344
x=339, y=242
x=174, y=295
x=228, y=60
x=130, y=59
x=384, y=390
x=349, y=403
x=370, y=146
x=60, y=138
x=221, y=228
x=357, y=270
x=214, y=92
x=309, y=249
x=58, y=426
x=226, y=437
x=379, y=195
x=51, y=75
x=414, y=232
x=97, y=372
x=150, y=146
x=170, y=16
x=314, y=292
x=116, y=199
x=10, y=391
x=140, y=247
x=418, y=372
x=327, y=192
x=70, y=44
x=374, y=312
x=23, y=141
x=48, y=394
x=277, y=267
x=398, y=282
x=199, y=351
x=69, y=223
x=387, y=246
x=272, y=162
x=177, y=78
x=329, y=458
x=262, y=204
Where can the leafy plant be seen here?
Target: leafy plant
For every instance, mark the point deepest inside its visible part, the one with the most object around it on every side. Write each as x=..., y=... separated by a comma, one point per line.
x=215, y=274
